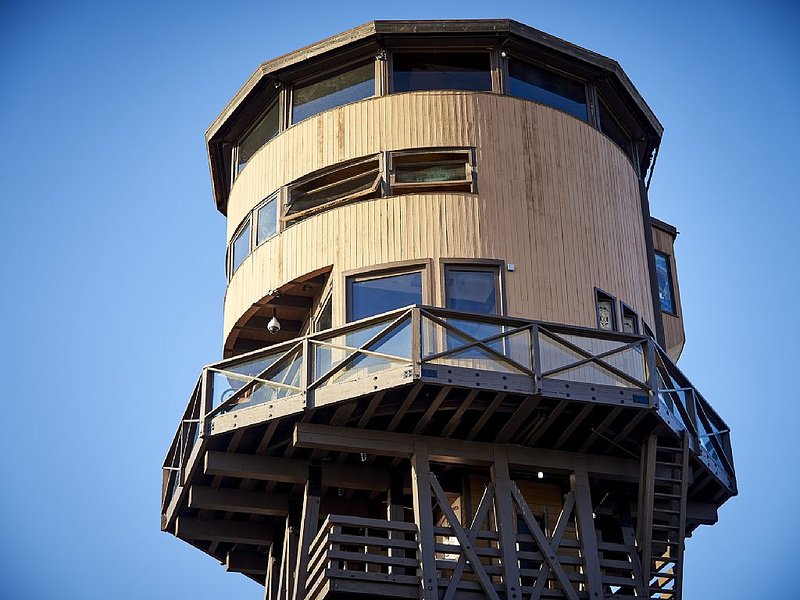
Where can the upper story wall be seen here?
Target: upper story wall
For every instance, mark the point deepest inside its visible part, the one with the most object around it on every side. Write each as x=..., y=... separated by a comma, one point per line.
x=555, y=197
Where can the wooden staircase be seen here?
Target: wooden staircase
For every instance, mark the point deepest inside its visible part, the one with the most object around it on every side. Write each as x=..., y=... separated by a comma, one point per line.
x=662, y=518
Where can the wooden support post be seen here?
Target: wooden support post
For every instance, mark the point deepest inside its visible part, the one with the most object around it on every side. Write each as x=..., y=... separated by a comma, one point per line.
x=309, y=524
x=289, y=555
x=394, y=512
x=271, y=581
x=423, y=516
x=644, y=510
x=587, y=534
x=506, y=524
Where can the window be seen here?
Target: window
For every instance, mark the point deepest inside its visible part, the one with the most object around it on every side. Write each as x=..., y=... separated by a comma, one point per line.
x=666, y=294
x=344, y=87
x=372, y=295
x=265, y=129
x=431, y=170
x=606, y=311
x=611, y=127
x=333, y=187
x=417, y=71
x=324, y=319
x=240, y=245
x=267, y=219
x=630, y=320
x=473, y=289
x=546, y=87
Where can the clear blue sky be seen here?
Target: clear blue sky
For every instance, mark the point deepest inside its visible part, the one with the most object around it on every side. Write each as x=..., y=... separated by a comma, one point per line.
x=112, y=261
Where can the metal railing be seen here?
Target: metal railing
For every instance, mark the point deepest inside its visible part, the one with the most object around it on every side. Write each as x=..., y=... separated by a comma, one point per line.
x=414, y=341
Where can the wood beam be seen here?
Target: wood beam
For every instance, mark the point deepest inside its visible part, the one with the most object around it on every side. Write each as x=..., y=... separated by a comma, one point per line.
x=383, y=443
x=235, y=500
x=506, y=524
x=267, y=468
x=423, y=515
x=251, y=563
x=587, y=535
x=234, y=532
x=309, y=524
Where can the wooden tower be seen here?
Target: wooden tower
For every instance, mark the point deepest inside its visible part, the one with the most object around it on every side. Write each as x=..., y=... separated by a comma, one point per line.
x=450, y=330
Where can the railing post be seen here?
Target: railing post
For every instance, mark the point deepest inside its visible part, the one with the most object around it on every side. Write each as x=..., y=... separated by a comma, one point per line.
x=416, y=341
x=423, y=515
x=206, y=400
x=305, y=373
x=537, y=358
x=652, y=369
x=506, y=524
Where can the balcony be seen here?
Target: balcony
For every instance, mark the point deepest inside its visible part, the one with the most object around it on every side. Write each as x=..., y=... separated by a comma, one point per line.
x=629, y=377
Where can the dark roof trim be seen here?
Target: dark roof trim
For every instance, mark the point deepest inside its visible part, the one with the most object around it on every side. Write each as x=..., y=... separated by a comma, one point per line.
x=665, y=227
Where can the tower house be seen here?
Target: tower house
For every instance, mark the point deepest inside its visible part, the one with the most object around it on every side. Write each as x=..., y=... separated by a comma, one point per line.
x=450, y=330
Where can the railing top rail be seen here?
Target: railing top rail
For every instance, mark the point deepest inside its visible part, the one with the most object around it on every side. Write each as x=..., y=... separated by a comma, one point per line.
x=366, y=522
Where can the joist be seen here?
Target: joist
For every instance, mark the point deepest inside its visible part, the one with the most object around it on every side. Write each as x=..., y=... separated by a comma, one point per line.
x=234, y=532
x=240, y=561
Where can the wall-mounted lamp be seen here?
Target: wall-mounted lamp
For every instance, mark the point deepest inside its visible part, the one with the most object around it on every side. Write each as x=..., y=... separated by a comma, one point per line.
x=381, y=55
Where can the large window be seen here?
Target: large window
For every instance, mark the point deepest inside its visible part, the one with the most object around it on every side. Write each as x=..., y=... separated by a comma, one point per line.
x=666, y=294
x=265, y=129
x=416, y=71
x=547, y=87
x=375, y=294
x=356, y=180
x=240, y=247
x=266, y=219
x=473, y=289
x=611, y=127
x=431, y=170
x=344, y=87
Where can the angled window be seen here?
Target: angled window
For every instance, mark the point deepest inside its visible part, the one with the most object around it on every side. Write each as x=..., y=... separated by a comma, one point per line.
x=431, y=170
x=265, y=129
x=605, y=305
x=531, y=82
x=417, y=71
x=356, y=83
x=666, y=293
x=240, y=246
x=375, y=294
x=328, y=188
x=630, y=320
x=266, y=219
x=612, y=128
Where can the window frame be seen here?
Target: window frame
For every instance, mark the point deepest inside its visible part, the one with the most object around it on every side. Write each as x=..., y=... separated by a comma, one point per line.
x=391, y=269
x=273, y=197
x=670, y=280
x=624, y=311
x=588, y=87
x=246, y=221
x=494, y=75
x=605, y=296
x=604, y=105
x=396, y=189
x=275, y=102
x=475, y=264
x=287, y=219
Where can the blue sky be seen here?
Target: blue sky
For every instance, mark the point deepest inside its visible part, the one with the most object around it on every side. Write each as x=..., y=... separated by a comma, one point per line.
x=112, y=261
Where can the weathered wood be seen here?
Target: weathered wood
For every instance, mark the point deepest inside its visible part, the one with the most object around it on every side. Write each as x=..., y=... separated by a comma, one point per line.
x=235, y=532
x=587, y=535
x=239, y=561
x=423, y=516
x=506, y=524
x=232, y=500
x=309, y=520
x=342, y=439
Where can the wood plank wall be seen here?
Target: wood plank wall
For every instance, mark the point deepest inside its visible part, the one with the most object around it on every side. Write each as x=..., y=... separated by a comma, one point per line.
x=555, y=197
x=674, y=334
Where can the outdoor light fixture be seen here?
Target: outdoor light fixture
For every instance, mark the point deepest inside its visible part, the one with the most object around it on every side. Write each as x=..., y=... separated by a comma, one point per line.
x=274, y=326
x=540, y=475
x=363, y=457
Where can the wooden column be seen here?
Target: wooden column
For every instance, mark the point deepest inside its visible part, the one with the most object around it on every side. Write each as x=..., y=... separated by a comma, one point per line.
x=423, y=516
x=394, y=512
x=506, y=524
x=271, y=581
x=644, y=510
x=587, y=535
x=289, y=553
x=309, y=524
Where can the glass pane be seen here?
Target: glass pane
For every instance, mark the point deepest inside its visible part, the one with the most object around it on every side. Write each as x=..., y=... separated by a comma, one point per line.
x=554, y=355
x=266, y=129
x=267, y=220
x=591, y=373
x=472, y=290
x=224, y=386
x=422, y=173
x=374, y=296
x=612, y=129
x=592, y=345
x=477, y=358
x=241, y=246
x=350, y=86
x=325, y=319
x=540, y=85
x=441, y=71
x=664, y=283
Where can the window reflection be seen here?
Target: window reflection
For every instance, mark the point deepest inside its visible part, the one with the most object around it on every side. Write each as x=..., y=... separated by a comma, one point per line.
x=342, y=88
x=540, y=85
x=665, y=291
x=415, y=71
x=267, y=219
x=266, y=129
x=241, y=246
x=376, y=295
